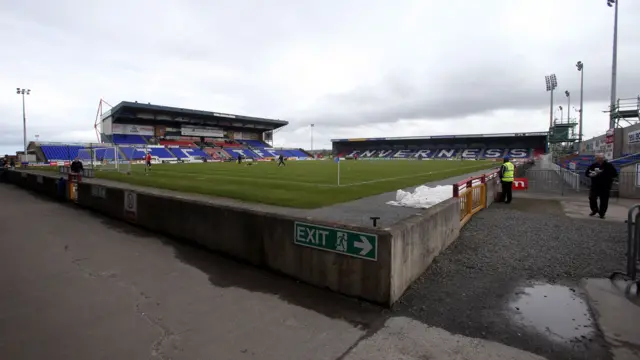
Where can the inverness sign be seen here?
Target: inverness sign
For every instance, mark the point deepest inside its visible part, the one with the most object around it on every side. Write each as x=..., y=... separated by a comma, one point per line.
x=342, y=241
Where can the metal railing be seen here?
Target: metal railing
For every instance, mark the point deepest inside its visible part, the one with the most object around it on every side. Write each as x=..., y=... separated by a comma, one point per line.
x=472, y=194
x=633, y=252
x=87, y=173
x=553, y=182
x=570, y=178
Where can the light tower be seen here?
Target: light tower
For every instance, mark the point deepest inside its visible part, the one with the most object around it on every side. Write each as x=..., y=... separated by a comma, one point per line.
x=568, y=95
x=552, y=84
x=614, y=64
x=311, y=128
x=23, y=92
x=580, y=67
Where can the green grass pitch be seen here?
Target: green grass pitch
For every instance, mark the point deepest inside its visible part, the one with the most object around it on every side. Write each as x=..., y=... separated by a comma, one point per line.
x=301, y=184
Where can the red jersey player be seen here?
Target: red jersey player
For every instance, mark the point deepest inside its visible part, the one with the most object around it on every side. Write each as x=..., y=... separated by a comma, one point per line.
x=148, y=162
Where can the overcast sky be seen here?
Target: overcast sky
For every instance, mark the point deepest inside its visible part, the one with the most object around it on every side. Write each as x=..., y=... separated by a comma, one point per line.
x=355, y=68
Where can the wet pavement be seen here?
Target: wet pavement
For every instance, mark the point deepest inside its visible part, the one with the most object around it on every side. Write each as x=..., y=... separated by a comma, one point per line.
x=555, y=310
x=80, y=286
x=513, y=277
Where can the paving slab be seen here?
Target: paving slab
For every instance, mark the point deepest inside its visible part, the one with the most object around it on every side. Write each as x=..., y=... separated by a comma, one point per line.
x=403, y=338
x=80, y=286
x=617, y=314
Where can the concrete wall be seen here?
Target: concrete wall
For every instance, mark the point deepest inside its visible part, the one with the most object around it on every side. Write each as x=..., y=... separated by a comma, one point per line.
x=262, y=239
x=267, y=240
x=627, y=182
x=623, y=143
x=418, y=240
x=627, y=146
x=493, y=188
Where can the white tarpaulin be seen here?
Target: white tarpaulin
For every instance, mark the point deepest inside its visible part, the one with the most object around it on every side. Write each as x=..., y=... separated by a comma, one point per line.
x=423, y=196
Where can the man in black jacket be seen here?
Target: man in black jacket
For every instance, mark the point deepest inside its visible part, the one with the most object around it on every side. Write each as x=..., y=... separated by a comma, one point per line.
x=602, y=174
x=76, y=166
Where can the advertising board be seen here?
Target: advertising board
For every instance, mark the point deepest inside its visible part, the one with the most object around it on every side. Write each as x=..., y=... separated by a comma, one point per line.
x=634, y=137
x=520, y=184
x=126, y=129
x=609, y=139
x=189, y=130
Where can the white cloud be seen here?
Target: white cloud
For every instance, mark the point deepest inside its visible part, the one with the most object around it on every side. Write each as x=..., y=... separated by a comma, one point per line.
x=354, y=68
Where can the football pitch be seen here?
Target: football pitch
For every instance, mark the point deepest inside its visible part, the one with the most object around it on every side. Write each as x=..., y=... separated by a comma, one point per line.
x=301, y=184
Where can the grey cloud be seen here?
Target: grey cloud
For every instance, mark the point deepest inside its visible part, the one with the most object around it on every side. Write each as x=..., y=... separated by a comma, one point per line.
x=468, y=93
x=222, y=55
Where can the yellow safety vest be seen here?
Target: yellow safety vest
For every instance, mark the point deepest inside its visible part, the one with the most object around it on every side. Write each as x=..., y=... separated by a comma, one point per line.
x=508, y=173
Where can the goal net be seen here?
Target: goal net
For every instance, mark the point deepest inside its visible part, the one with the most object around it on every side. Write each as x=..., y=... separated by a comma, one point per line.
x=105, y=158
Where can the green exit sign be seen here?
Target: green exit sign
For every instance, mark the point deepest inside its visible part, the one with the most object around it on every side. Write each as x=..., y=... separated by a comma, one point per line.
x=351, y=243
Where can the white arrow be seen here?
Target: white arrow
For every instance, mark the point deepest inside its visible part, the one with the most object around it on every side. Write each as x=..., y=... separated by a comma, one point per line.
x=365, y=245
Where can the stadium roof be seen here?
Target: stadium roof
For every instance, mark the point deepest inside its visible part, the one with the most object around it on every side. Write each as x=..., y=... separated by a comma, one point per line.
x=167, y=113
x=470, y=136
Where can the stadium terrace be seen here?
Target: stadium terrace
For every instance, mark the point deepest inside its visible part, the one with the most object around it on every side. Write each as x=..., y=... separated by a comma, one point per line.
x=478, y=146
x=130, y=129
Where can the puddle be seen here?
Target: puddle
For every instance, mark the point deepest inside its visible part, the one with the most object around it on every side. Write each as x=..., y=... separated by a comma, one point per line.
x=555, y=311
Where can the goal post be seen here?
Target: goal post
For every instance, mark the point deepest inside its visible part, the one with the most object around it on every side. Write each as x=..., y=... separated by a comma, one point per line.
x=105, y=158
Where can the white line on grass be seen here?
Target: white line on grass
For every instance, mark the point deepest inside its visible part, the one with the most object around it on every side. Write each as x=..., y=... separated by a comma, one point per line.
x=204, y=176
x=412, y=175
x=201, y=176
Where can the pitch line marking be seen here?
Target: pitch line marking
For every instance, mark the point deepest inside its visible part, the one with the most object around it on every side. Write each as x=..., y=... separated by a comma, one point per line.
x=412, y=175
x=202, y=176
x=245, y=178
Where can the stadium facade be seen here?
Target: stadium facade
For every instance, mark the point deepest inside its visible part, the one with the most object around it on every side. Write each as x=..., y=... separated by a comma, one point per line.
x=130, y=129
x=478, y=146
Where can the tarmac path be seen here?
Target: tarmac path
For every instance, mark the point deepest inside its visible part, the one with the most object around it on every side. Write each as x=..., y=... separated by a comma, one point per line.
x=76, y=285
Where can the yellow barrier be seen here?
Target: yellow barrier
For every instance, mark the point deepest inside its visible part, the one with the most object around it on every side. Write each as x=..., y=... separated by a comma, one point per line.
x=472, y=194
x=472, y=200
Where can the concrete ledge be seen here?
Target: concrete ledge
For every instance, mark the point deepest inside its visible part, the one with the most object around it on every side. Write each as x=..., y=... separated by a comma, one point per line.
x=265, y=239
x=418, y=240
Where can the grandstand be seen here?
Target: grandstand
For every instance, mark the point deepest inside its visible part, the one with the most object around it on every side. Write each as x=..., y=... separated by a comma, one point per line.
x=129, y=130
x=471, y=147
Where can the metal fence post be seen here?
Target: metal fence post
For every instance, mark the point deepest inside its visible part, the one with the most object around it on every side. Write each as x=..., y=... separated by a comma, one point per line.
x=634, y=244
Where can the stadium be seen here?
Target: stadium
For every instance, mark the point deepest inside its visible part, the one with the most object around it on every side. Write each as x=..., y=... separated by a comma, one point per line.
x=366, y=222
x=197, y=151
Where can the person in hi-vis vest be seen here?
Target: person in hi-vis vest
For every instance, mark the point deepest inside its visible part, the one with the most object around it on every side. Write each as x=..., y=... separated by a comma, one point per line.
x=507, y=172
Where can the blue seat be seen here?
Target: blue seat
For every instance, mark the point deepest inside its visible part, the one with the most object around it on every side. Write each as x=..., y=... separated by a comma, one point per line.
x=60, y=152
x=179, y=153
x=161, y=153
x=195, y=152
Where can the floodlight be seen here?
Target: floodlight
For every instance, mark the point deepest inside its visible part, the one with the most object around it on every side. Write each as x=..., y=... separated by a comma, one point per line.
x=551, y=81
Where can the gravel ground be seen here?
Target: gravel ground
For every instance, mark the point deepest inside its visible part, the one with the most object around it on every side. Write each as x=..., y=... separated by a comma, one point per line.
x=468, y=288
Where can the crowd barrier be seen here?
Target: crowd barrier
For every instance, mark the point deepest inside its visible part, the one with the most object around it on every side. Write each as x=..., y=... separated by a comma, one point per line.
x=475, y=194
x=633, y=253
